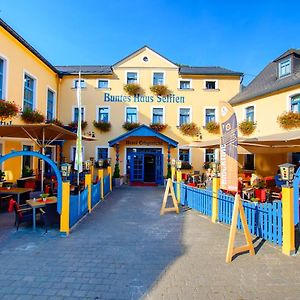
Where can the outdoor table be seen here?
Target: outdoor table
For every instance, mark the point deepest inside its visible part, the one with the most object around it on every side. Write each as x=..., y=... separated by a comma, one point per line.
x=39, y=203
x=15, y=191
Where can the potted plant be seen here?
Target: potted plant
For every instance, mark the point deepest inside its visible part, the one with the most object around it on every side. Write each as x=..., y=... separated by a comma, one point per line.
x=130, y=126
x=159, y=90
x=27, y=172
x=32, y=116
x=117, y=179
x=213, y=127
x=247, y=127
x=8, y=110
x=289, y=120
x=102, y=126
x=44, y=196
x=56, y=122
x=158, y=126
x=74, y=124
x=190, y=129
x=206, y=165
x=132, y=88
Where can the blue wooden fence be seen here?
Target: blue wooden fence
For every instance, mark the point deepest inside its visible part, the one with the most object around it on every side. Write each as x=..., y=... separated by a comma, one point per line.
x=198, y=199
x=264, y=219
x=78, y=206
x=96, y=188
x=106, y=182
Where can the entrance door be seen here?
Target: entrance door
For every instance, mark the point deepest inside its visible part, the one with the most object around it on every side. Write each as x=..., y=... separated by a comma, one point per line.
x=149, y=167
x=159, y=168
x=137, y=167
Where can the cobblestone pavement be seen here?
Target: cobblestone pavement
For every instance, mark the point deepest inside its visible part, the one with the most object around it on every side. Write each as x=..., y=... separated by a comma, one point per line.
x=125, y=250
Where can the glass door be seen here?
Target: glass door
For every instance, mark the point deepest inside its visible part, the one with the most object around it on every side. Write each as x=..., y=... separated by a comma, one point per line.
x=159, y=168
x=137, y=167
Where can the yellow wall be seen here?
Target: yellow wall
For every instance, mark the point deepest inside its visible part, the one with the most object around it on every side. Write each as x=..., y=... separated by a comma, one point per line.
x=198, y=99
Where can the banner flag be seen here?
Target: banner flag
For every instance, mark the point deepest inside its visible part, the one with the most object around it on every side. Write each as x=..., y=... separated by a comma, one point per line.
x=78, y=153
x=228, y=148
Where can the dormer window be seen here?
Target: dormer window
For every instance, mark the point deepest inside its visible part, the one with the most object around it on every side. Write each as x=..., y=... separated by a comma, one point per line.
x=285, y=68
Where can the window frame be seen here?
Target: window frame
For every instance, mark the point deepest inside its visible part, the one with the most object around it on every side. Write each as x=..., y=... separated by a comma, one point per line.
x=32, y=160
x=132, y=71
x=76, y=80
x=73, y=113
x=190, y=154
x=72, y=148
x=54, y=102
x=204, y=114
x=98, y=109
x=164, y=77
x=34, y=93
x=164, y=113
x=297, y=102
x=216, y=84
x=280, y=75
x=178, y=114
x=137, y=113
x=4, y=77
x=103, y=79
x=104, y=147
x=183, y=79
x=245, y=113
x=205, y=154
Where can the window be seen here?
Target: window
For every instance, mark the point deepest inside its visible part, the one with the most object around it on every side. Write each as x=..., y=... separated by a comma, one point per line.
x=250, y=113
x=184, y=155
x=249, y=162
x=103, y=114
x=295, y=103
x=184, y=84
x=102, y=153
x=75, y=114
x=27, y=161
x=210, y=115
x=210, y=84
x=2, y=78
x=29, y=86
x=158, y=78
x=158, y=115
x=82, y=83
x=131, y=114
x=50, y=105
x=73, y=153
x=132, y=77
x=184, y=116
x=103, y=84
x=285, y=68
x=209, y=155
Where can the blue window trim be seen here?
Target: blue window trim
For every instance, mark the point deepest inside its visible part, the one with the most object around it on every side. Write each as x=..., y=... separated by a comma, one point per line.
x=183, y=117
x=287, y=65
x=209, y=115
x=131, y=117
x=131, y=79
x=183, y=85
x=158, y=115
x=250, y=113
x=184, y=154
x=50, y=105
x=103, y=87
x=104, y=115
x=29, y=90
x=75, y=114
x=295, y=102
x=102, y=153
x=158, y=78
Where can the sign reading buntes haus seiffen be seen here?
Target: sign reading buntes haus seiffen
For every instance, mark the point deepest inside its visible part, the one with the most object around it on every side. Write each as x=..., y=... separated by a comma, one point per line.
x=171, y=98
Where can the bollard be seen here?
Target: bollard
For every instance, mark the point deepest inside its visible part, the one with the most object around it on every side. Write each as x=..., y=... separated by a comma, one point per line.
x=100, y=176
x=173, y=170
x=88, y=184
x=288, y=231
x=110, y=177
x=65, y=209
x=214, y=207
x=179, y=178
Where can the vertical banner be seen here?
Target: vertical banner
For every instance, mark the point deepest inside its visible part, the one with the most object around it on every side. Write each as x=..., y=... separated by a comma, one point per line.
x=228, y=148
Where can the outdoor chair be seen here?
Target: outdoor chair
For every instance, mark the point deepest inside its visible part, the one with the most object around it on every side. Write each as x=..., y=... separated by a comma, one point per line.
x=4, y=199
x=23, y=213
x=49, y=215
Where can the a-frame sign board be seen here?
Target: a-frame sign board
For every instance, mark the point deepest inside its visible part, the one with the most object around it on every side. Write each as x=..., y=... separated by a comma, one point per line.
x=169, y=192
x=231, y=251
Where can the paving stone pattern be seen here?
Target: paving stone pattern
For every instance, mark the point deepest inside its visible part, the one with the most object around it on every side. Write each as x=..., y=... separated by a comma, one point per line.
x=125, y=250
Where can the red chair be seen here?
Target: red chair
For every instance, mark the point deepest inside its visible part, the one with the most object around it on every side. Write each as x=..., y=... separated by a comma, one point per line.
x=23, y=213
x=30, y=185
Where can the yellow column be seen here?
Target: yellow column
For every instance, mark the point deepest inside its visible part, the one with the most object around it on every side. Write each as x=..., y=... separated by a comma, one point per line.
x=173, y=170
x=92, y=172
x=100, y=176
x=288, y=232
x=65, y=209
x=110, y=177
x=215, y=191
x=88, y=183
x=178, y=179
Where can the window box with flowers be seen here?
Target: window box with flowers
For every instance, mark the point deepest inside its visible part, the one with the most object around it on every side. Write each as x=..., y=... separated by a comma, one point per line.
x=247, y=127
x=130, y=126
x=158, y=126
x=32, y=116
x=74, y=125
x=102, y=126
x=190, y=129
x=289, y=120
x=213, y=127
x=159, y=90
x=132, y=88
x=55, y=122
x=8, y=110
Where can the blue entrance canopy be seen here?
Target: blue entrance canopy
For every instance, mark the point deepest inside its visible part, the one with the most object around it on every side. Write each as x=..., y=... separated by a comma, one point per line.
x=145, y=131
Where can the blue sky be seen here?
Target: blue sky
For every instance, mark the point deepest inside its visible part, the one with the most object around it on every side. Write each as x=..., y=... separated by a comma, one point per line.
x=239, y=35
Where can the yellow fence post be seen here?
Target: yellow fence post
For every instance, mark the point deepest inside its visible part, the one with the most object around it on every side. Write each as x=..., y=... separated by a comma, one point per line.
x=92, y=172
x=100, y=176
x=178, y=179
x=214, y=207
x=110, y=177
x=288, y=231
x=65, y=209
x=173, y=170
x=88, y=183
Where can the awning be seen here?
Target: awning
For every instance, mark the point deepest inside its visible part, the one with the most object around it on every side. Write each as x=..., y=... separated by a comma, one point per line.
x=143, y=131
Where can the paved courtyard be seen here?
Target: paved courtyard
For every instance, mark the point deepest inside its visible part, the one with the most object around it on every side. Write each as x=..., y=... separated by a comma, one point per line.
x=125, y=250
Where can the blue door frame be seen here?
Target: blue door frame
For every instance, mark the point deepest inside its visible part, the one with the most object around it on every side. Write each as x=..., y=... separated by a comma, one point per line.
x=296, y=183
